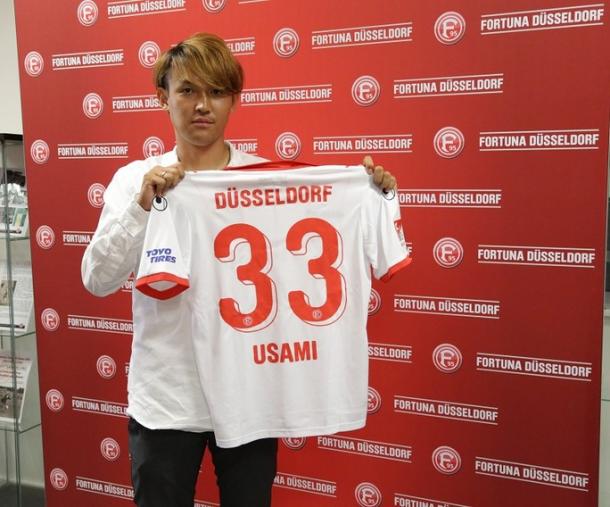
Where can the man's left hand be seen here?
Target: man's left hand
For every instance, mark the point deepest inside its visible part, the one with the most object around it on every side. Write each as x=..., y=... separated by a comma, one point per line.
x=382, y=178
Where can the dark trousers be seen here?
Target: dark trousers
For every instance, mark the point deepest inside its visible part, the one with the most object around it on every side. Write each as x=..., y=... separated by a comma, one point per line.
x=165, y=465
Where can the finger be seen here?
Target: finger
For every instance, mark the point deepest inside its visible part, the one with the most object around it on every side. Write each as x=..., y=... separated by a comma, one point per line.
x=368, y=163
x=378, y=175
x=389, y=182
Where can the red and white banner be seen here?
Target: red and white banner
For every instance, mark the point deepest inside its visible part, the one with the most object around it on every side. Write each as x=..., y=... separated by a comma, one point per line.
x=485, y=353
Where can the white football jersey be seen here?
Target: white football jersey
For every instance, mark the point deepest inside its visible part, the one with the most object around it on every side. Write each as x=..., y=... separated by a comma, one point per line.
x=275, y=265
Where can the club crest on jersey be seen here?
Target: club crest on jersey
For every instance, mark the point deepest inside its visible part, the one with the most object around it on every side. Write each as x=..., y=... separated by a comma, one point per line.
x=400, y=232
x=40, y=152
x=446, y=460
x=450, y=27
x=87, y=12
x=368, y=495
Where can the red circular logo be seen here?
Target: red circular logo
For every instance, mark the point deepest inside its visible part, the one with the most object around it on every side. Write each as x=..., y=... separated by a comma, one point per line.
x=288, y=146
x=286, y=42
x=368, y=495
x=446, y=460
x=45, y=237
x=58, y=479
x=448, y=252
x=153, y=147
x=49, y=319
x=148, y=53
x=87, y=13
x=110, y=449
x=295, y=443
x=95, y=195
x=447, y=358
x=373, y=401
x=93, y=105
x=106, y=367
x=40, y=152
x=449, y=142
x=214, y=5
x=450, y=27
x=374, y=302
x=366, y=90
x=33, y=63
x=54, y=400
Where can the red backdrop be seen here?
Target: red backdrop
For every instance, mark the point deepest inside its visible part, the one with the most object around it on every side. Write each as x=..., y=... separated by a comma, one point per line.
x=485, y=353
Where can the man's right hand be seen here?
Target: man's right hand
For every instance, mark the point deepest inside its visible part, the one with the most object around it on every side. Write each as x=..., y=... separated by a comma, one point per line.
x=157, y=182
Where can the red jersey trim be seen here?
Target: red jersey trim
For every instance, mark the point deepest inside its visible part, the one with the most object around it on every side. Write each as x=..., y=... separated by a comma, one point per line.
x=277, y=165
x=396, y=268
x=143, y=285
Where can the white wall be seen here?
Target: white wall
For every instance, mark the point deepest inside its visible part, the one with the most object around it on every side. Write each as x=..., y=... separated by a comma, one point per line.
x=10, y=99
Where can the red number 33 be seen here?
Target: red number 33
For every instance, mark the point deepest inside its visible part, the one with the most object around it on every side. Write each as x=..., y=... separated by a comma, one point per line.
x=255, y=273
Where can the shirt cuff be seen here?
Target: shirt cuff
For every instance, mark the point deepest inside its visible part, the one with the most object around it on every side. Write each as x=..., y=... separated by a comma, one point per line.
x=134, y=219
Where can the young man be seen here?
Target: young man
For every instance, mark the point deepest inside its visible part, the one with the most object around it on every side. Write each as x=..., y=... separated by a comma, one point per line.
x=198, y=83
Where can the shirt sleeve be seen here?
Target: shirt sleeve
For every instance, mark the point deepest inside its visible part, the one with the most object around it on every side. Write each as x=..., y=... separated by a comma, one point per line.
x=385, y=243
x=163, y=270
x=112, y=254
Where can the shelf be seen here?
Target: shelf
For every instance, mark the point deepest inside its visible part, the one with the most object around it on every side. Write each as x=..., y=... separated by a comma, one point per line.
x=17, y=336
x=10, y=426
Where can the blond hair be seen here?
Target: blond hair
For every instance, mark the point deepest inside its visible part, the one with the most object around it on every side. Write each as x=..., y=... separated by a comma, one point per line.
x=204, y=56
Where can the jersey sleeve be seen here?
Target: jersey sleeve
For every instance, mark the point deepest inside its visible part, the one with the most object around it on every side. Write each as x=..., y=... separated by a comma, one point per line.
x=163, y=272
x=385, y=243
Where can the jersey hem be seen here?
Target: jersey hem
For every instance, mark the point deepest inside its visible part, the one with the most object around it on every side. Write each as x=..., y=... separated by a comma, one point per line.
x=290, y=433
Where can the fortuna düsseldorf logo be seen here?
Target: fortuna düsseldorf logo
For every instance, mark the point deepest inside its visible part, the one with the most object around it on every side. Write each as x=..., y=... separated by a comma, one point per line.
x=40, y=152
x=153, y=147
x=286, y=42
x=448, y=142
x=95, y=195
x=450, y=27
x=54, y=400
x=295, y=443
x=214, y=6
x=33, y=63
x=106, y=367
x=87, y=12
x=367, y=495
x=93, y=105
x=447, y=358
x=148, y=53
x=45, y=237
x=366, y=90
x=448, y=252
x=49, y=319
x=110, y=449
x=58, y=479
x=374, y=302
x=288, y=146
x=446, y=460
x=373, y=401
